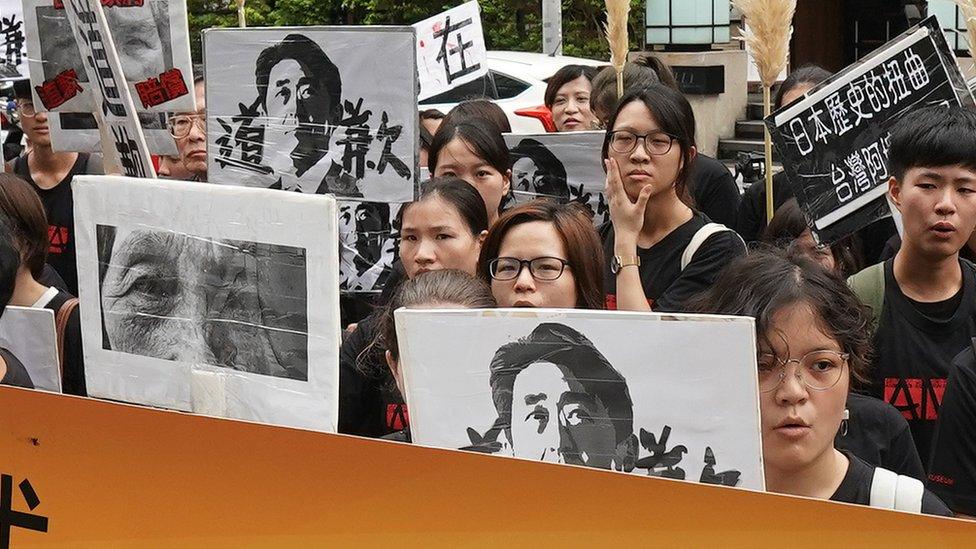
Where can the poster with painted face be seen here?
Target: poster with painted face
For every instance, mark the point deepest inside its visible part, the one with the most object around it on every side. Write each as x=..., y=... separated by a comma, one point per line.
x=152, y=41
x=78, y=132
x=13, y=57
x=229, y=311
x=314, y=110
x=367, y=245
x=561, y=166
x=30, y=335
x=631, y=392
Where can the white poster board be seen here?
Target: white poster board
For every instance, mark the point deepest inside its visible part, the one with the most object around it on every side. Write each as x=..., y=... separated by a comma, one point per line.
x=451, y=49
x=367, y=245
x=153, y=47
x=212, y=299
x=30, y=335
x=78, y=132
x=313, y=109
x=634, y=392
x=13, y=58
x=563, y=166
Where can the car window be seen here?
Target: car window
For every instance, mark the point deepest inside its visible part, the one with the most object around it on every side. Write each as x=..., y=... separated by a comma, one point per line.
x=476, y=89
x=508, y=87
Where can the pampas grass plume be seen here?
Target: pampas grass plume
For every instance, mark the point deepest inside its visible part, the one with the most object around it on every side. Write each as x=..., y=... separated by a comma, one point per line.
x=617, y=14
x=768, y=34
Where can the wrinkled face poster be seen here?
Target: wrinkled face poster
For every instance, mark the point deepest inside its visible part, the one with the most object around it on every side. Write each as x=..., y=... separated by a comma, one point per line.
x=634, y=392
x=451, y=49
x=313, y=110
x=187, y=307
x=560, y=166
x=13, y=43
x=152, y=42
x=29, y=334
x=367, y=245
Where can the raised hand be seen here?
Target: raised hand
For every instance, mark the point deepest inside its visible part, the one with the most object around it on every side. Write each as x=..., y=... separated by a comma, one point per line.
x=627, y=215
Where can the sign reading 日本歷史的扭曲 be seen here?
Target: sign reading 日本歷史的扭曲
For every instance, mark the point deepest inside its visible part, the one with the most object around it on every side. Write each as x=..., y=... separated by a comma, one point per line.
x=834, y=142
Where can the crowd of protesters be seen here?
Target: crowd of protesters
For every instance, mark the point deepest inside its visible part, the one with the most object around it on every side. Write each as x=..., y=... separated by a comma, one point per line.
x=847, y=333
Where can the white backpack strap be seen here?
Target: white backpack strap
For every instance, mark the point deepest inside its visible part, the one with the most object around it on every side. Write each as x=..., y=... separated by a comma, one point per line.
x=890, y=490
x=701, y=235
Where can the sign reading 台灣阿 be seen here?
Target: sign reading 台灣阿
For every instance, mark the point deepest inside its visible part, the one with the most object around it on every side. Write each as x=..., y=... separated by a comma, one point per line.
x=834, y=142
x=451, y=49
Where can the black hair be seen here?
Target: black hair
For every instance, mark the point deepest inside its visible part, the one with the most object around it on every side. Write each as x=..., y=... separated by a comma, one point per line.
x=564, y=76
x=580, y=362
x=482, y=137
x=674, y=116
x=457, y=192
x=933, y=137
x=553, y=182
x=768, y=280
x=9, y=263
x=313, y=61
x=482, y=109
x=22, y=89
x=638, y=74
x=789, y=224
x=808, y=74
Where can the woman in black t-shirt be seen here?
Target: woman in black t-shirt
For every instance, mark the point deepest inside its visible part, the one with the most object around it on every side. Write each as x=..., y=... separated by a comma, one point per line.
x=660, y=251
x=813, y=338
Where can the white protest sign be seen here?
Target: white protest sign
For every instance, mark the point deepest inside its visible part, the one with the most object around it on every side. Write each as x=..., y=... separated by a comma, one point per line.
x=30, y=335
x=78, y=132
x=632, y=392
x=210, y=298
x=153, y=48
x=13, y=57
x=451, y=49
x=111, y=102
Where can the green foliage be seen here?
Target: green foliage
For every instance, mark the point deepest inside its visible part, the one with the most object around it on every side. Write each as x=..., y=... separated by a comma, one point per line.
x=508, y=24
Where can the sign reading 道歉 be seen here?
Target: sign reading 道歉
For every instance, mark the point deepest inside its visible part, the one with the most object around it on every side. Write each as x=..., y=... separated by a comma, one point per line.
x=451, y=49
x=834, y=142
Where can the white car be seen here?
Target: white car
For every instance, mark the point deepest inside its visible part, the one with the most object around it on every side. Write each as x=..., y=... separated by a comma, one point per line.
x=516, y=81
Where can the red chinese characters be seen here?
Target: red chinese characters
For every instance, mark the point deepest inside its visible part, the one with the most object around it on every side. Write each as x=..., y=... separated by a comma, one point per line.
x=156, y=91
x=55, y=92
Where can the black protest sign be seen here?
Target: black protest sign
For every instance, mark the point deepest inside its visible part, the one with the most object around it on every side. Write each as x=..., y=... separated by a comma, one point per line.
x=834, y=143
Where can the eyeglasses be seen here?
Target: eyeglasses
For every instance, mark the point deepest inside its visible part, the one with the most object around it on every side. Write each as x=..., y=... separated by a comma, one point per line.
x=657, y=143
x=26, y=109
x=818, y=370
x=179, y=126
x=541, y=268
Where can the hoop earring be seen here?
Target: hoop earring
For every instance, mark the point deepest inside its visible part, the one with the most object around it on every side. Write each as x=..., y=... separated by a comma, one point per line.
x=843, y=423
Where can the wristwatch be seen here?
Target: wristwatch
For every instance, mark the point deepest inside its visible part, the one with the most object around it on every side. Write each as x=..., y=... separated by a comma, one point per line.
x=618, y=262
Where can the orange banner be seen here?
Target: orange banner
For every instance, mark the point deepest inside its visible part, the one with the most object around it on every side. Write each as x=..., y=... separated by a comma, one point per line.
x=100, y=474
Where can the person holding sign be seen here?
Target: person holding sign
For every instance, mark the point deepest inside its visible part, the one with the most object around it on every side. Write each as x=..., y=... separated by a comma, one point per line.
x=189, y=130
x=12, y=372
x=924, y=299
x=660, y=251
x=443, y=229
x=813, y=340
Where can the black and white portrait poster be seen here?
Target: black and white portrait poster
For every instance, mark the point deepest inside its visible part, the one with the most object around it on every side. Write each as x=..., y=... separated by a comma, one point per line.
x=314, y=109
x=153, y=46
x=111, y=102
x=212, y=299
x=670, y=396
x=30, y=335
x=451, y=49
x=562, y=166
x=78, y=132
x=834, y=142
x=367, y=245
x=13, y=57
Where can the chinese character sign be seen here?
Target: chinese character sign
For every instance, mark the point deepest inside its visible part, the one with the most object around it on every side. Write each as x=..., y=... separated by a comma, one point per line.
x=450, y=49
x=834, y=143
x=559, y=166
x=151, y=41
x=313, y=110
x=540, y=384
x=13, y=44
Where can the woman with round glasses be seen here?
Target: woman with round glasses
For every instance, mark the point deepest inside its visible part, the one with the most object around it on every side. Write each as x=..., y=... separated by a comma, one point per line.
x=189, y=129
x=544, y=254
x=660, y=250
x=813, y=340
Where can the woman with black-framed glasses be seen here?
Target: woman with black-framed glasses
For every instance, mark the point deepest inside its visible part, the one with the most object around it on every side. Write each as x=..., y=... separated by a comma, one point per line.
x=660, y=250
x=813, y=344
x=544, y=254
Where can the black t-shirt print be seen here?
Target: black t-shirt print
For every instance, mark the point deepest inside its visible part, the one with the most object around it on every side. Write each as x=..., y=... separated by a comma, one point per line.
x=666, y=286
x=952, y=474
x=913, y=353
x=59, y=205
x=856, y=488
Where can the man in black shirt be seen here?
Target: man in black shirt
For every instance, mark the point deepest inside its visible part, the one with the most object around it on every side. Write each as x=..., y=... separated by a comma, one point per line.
x=926, y=295
x=952, y=474
x=50, y=173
